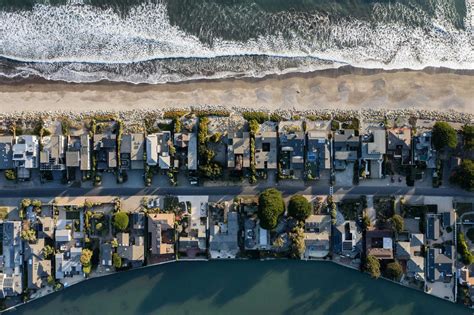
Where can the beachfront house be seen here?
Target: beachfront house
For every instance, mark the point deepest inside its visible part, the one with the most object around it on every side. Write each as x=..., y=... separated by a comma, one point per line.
x=105, y=150
x=238, y=151
x=373, y=149
x=158, y=150
x=6, y=152
x=132, y=150
x=292, y=145
x=52, y=155
x=25, y=155
x=346, y=148
x=266, y=150
x=78, y=154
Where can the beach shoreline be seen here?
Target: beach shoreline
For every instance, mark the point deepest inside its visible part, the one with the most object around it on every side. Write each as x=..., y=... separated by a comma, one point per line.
x=344, y=88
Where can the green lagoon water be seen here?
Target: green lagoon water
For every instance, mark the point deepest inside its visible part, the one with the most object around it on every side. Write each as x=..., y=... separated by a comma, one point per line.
x=240, y=287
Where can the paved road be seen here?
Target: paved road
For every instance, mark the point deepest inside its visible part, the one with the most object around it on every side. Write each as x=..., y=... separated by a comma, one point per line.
x=228, y=190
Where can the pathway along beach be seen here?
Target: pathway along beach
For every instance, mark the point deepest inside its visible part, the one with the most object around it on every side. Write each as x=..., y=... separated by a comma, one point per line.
x=432, y=89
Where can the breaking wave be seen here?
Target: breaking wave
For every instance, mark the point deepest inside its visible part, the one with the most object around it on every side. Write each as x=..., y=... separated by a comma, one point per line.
x=156, y=42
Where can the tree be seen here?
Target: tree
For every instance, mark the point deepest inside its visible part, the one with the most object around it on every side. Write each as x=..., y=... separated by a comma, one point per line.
x=121, y=221
x=394, y=270
x=25, y=203
x=468, y=133
x=270, y=207
x=116, y=260
x=397, y=223
x=464, y=175
x=36, y=203
x=10, y=174
x=98, y=226
x=463, y=249
x=365, y=222
x=444, y=136
x=114, y=243
x=48, y=251
x=28, y=235
x=299, y=207
x=86, y=256
x=372, y=265
x=333, y=212
x=297, y=242
x=253, y=126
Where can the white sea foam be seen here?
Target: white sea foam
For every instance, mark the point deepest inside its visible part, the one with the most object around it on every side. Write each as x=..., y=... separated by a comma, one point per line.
x=80, y=36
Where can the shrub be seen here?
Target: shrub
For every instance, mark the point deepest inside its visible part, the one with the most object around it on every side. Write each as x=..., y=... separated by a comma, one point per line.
x=276, y=117
x=464, y=175
x=121, y=221
x=10, y=174
x=297, y=242
x=466, y=256
x=174, y=114
x=116, y=260
x=299, y=207
x=397, y=223
x=3, y=213
x=394, y=270
x=270, y=207
x=444, y=136
x=468, y=133
x=372, y=265
x=260, y=117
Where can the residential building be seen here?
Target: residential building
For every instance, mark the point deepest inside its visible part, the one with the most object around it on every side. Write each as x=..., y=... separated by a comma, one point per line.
x=238, y=150
x=317, y=234
x=266, y=150
x=68, y=263
x=133, y=253
x=440, y=264
x=6, y=152
x=158, y=149
x=411, y=253
x=379, y=243
x=423, y=151
x=52, y=155
x=106, y=251
x=466, y=276
x=11, y=282
x=78, y=153
x=161, y=233
x=195, y=240
x=318, y=156
x=347, y=239
x=256, y=237
x=25, y=155
x=292, y=145
x=105, y=150
x=399, y=144
x=346, y=148
x=132, y=149
x=138, y=223
x=38, y=268
x=10, y=285
x=186, y=146
x=223, y=236
x=373, y=149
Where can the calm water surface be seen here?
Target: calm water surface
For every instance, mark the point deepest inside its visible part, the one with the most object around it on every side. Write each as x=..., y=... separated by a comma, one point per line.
x=240, y=287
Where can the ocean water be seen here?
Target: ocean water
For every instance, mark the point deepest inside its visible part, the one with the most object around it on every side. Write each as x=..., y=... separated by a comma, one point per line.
x=175, y=40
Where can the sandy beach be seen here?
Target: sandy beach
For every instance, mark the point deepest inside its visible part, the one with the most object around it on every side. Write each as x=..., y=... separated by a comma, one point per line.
x=329, y=90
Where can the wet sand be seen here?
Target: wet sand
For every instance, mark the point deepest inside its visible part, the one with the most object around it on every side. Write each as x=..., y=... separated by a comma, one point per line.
x=433, y=90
